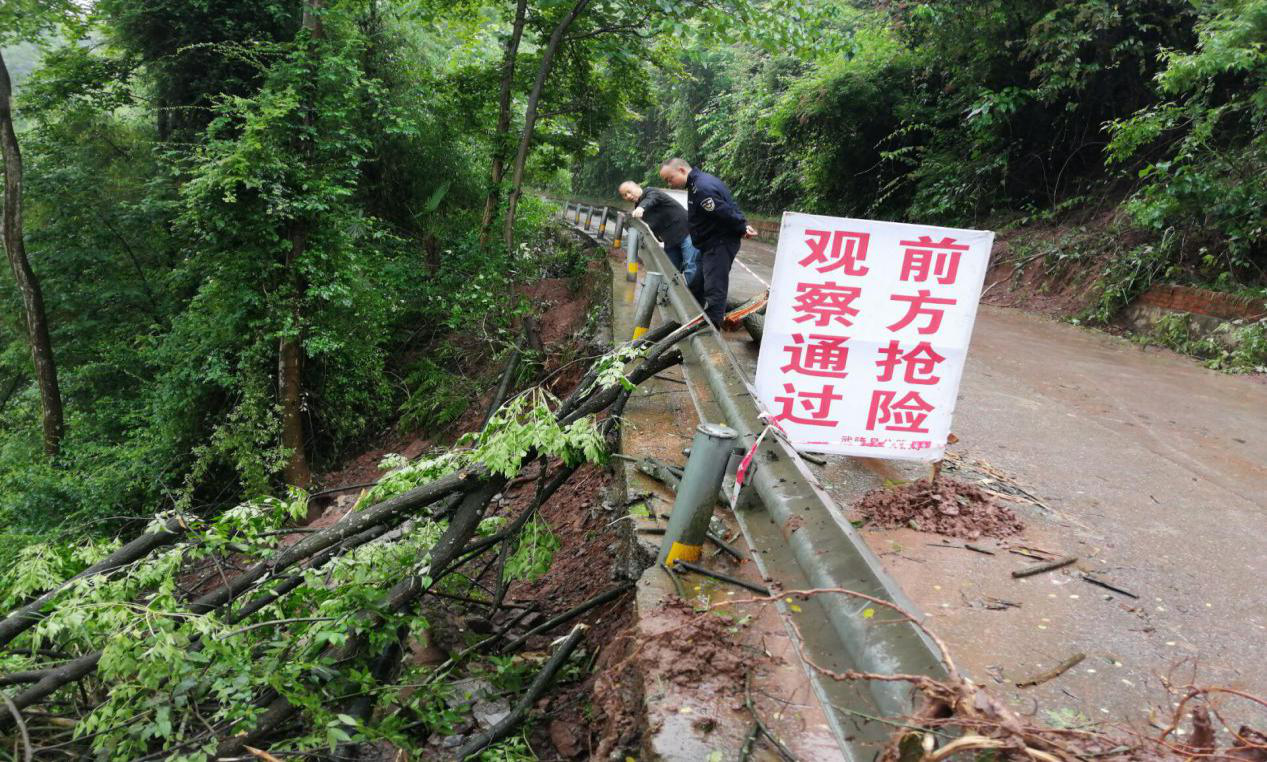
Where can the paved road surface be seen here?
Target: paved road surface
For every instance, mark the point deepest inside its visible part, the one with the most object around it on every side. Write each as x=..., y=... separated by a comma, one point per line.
x=1156, y=473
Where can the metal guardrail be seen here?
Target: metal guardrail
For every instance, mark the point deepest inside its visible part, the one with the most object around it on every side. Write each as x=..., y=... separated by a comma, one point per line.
x=802, y=538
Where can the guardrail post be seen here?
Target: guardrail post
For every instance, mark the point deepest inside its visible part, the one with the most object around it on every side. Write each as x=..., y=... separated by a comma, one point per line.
x=576, y=213
x=589, y=217
x=646, y=303
x=697, y=494
x=602, y=221
x=631, y=255
x=566, y=208
x=620, y=230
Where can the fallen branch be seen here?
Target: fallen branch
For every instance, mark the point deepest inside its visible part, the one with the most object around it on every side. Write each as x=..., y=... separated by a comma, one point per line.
x=784, y=751
x=27, y=754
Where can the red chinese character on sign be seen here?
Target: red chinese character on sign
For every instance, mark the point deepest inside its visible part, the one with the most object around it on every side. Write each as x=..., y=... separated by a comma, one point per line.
x=920, y=363
x=918, y=307
x=818, y=404
x=924, y=257
x=824, y=302
x=847, y=250
x=907, y=414
x=824, y=356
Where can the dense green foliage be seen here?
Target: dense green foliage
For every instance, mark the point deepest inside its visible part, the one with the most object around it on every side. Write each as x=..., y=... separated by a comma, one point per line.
x=166, y=663
x=176, y=151
x=1148, y=115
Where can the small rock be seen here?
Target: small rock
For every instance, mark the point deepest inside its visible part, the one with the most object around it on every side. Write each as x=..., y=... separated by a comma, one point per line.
x=479, y=625
x=566, y=737
x=489, y=713
x=470, y=688
x=448, y=742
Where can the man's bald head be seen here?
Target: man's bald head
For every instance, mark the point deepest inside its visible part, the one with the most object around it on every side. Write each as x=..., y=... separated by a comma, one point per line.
x=630, y=191
x=674, y=172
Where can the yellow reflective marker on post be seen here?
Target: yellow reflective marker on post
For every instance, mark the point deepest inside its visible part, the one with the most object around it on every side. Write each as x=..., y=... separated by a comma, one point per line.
x=680, y=552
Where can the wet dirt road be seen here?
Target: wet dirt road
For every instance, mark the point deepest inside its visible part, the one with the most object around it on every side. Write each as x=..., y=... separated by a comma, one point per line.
x=1155, y=473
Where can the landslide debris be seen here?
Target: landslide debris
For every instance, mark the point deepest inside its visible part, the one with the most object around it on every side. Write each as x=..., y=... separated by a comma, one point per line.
x=943, y=506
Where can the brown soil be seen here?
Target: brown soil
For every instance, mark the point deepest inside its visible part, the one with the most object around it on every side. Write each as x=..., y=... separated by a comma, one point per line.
x=946, y=507
x=1021, y=277
x=700, y=648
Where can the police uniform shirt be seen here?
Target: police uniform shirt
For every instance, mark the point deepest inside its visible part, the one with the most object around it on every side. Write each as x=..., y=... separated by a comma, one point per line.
x=713, y=215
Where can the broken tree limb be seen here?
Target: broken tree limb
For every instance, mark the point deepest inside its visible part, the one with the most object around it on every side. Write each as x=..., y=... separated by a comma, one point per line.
x=27, y=616
x=1052, y=673
x=539, y=684
x=568, y=616
x=354, y=523
x=503, y=388
x=269, y=578
x=1030, y=571
x=48, y=681
x=751, y=705
x=605, y=397
x=350, y=526
x=584, y=386
x=461, y=528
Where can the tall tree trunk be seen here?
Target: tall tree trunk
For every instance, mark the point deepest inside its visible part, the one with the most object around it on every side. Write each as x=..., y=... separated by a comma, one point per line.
x=290, y=347
x=503, y=120
x=32, y=297
x=289, y=368
x=530, y=118
x=312, y=19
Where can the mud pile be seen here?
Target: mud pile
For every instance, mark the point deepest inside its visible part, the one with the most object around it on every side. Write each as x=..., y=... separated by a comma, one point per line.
x=944, y=507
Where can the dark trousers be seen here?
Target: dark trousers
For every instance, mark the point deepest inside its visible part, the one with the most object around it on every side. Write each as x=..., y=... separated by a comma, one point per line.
x=713, y=281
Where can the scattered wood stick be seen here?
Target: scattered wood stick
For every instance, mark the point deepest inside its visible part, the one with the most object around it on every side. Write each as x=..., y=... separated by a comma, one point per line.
x=27, y=754
x=812, y=458
x=1030, y=571
x=965, y=546
x=784, y=751
x=746, y=585
x=1052, y=673
x=1106, y=585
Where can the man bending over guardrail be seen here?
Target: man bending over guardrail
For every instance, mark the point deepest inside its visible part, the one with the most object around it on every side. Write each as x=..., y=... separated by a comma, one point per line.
x=716, y=225
x=667, y=219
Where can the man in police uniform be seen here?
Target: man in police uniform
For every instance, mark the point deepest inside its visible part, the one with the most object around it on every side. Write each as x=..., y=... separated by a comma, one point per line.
x=717, y=227
x=667, y=219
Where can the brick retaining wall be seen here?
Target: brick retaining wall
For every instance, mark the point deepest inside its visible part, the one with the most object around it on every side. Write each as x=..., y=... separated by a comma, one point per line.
x=1202, y=302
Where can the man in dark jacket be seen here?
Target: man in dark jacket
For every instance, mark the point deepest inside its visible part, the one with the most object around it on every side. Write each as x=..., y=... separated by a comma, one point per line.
x=717, y=226
x=667, y=219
